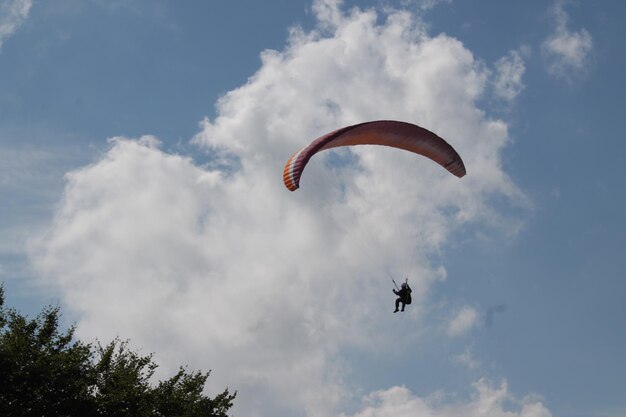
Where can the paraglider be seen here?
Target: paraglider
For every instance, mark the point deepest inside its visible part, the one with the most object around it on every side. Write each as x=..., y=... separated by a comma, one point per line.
x=396, y=134
x=404, y=295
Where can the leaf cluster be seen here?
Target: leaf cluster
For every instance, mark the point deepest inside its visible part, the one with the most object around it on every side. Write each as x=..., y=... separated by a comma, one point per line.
x=47, y=372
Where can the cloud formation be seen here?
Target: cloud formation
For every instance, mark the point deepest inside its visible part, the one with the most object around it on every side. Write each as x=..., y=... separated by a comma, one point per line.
x=487, y=401
x=462, y=322
x=12, y=15
x=224, y=267
x=32, y=176
x=567, y=52
x=508, y=82
x=467, y=359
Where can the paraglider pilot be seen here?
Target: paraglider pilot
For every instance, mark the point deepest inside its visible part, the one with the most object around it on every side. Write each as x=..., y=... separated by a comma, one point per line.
x=404, y=296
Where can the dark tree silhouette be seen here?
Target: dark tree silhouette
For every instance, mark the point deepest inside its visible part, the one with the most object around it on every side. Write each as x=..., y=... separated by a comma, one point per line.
x=47, y=372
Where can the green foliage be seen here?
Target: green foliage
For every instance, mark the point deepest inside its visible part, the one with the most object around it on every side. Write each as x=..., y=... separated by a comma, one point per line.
x=45, y=372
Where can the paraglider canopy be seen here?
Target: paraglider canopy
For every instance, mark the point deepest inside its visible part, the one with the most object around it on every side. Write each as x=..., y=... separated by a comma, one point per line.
x=396, y=134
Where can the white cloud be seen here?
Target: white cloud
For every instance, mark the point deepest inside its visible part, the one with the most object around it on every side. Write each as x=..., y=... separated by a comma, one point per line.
x=567, y=52
x=225, y=269
x=508, y=78
x=467, y=359
x=33, y=177
x=462, y=322
x=12, y=15
x=486, y=401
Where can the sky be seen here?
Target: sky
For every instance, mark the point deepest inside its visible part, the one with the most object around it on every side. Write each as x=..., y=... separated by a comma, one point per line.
x=141, y=153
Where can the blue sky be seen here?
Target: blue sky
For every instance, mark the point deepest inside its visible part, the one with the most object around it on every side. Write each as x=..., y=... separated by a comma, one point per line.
x=179, y=234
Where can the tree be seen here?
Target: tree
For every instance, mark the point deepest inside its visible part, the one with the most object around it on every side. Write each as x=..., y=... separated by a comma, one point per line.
x=47, y=372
